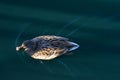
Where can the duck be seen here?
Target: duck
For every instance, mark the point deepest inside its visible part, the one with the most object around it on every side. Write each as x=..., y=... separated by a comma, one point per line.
x=47, y=47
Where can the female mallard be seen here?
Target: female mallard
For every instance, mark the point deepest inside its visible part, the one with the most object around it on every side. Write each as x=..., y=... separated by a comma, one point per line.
x=47, y=47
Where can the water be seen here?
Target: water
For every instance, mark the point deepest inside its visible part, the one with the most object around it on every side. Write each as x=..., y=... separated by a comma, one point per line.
x=95, y=25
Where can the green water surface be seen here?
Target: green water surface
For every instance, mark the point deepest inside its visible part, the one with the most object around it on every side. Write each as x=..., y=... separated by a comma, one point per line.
x=93, y=24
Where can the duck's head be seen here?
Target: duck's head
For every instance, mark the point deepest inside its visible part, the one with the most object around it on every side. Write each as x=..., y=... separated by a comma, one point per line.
x=27, y=45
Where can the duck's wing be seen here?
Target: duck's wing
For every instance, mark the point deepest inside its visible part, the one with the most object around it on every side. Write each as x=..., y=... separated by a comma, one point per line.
x=49, y=53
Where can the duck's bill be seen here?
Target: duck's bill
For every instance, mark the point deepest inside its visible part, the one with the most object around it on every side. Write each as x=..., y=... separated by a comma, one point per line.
x=20, y=48
x=73, y=46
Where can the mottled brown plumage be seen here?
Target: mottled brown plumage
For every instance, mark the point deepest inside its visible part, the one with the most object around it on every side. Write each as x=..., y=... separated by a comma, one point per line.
x=47, y=47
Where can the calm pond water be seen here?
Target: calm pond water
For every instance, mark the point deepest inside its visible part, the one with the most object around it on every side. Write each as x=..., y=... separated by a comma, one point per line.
x=94, y=25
